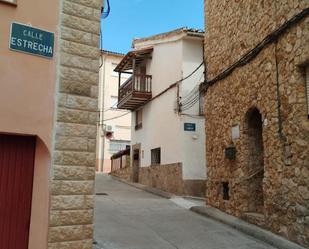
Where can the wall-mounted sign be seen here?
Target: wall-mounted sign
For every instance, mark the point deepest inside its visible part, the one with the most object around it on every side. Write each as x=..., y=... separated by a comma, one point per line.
x=31, y=40
x=189, y=127
x=235, y=132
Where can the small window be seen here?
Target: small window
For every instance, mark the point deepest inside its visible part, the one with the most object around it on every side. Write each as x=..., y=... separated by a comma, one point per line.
x=9, y=1
x=138, y=119
x=226, y=191
x=156, y=156
x=118, y=145
x=114, y=101
x=307, y=88
x=114, y=65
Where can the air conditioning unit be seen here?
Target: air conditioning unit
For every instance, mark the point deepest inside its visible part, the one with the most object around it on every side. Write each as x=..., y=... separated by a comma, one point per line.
x=109, y=128
x=109, y=131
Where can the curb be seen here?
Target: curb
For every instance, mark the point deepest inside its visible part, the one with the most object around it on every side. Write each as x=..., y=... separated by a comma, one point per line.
x=249, y=229
x=148, y=189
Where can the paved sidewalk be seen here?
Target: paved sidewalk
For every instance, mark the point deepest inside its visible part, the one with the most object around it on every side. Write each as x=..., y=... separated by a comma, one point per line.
x=129, y=218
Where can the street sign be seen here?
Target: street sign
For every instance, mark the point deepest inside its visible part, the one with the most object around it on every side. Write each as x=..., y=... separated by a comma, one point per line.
x=189, y=127
x=31, y=40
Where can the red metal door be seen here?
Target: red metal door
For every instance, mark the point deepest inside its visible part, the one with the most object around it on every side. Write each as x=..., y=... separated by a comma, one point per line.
x=16, y=179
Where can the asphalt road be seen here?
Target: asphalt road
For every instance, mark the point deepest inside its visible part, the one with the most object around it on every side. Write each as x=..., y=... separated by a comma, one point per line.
x=129, y=218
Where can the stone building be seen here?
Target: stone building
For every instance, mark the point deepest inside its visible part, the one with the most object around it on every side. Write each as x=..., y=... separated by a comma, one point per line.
x=258, y=110
x=48, y=105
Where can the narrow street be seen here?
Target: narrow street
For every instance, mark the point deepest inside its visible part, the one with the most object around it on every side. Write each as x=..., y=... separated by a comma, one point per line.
x=129, y=218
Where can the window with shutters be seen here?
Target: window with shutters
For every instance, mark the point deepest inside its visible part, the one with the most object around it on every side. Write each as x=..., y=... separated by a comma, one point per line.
x=307, y=89
x=156, y=156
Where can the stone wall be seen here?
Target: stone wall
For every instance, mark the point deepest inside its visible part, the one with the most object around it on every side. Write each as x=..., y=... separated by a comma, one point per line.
x=274, y=84
x=125, y=171
x=73, y=170
x=169, y=178
x=164, y=177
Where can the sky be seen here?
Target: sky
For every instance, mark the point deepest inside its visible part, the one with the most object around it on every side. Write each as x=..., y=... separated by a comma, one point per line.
x=130, y=19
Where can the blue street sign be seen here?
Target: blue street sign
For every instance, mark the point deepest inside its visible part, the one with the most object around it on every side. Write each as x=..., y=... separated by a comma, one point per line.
x=31, y=40
x=189, y=126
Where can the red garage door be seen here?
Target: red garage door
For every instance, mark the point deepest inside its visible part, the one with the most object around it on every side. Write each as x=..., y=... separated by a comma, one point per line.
x=16, y=177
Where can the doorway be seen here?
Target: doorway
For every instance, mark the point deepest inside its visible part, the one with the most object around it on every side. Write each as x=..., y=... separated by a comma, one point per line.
x=254, y=131
x=136, y=165
x=16, y=179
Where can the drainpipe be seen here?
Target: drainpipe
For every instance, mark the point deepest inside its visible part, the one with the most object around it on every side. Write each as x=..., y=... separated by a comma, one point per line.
x=102, y=97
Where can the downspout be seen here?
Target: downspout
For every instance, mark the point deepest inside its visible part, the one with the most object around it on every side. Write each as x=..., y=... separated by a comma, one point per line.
x=102, y=137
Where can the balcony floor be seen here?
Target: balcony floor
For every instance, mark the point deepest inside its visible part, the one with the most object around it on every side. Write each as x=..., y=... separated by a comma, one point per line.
x=134, y=100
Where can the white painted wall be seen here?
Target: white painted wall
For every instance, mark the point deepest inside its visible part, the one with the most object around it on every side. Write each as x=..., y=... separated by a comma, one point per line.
x=108, y=88
x=162, y=125
x=193, y=143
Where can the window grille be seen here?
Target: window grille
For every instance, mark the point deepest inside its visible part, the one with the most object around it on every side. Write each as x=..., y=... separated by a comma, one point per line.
x=156, y=156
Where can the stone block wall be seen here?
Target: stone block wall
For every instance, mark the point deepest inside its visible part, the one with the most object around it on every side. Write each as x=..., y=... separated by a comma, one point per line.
x=274, y=84
x=125, y=171
x=164, y=177
x=169, y=178
x=73, y=169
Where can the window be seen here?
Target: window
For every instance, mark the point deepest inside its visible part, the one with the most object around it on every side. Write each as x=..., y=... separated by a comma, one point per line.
x=156, y=156
x=226, y=189
x=118, y=145
x=114, y=65
x=138, y=119
x=307, y=88
x=114, y=101
x=9, y=1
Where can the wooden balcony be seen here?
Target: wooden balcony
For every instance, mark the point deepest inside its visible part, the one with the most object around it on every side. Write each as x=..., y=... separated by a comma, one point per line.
x=135, y=92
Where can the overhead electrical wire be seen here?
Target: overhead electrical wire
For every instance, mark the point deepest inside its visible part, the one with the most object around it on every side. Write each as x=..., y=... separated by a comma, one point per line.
x=250, y=55
x=105, y=11
x=175, y=84
x=117, y=116
x=191, y=98
x=171, y=86
x=104, y=14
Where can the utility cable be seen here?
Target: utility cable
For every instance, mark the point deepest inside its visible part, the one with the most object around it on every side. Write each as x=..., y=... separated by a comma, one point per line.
x=250, y=55
x=175, y=84
x=116, y=117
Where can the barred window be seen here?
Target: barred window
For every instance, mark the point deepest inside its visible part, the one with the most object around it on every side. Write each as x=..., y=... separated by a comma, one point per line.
x=156, y=156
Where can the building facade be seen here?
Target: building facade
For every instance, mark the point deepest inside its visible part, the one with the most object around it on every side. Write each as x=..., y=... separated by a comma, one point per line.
x=48, y=109
x=167, y=137
x=257, y=146
x=114, y=131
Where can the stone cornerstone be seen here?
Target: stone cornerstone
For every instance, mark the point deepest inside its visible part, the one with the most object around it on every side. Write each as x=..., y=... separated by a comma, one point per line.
x=259, y=110
x=73, y=169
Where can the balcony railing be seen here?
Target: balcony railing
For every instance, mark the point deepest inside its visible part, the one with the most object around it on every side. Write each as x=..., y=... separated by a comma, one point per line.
x=135, y=91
